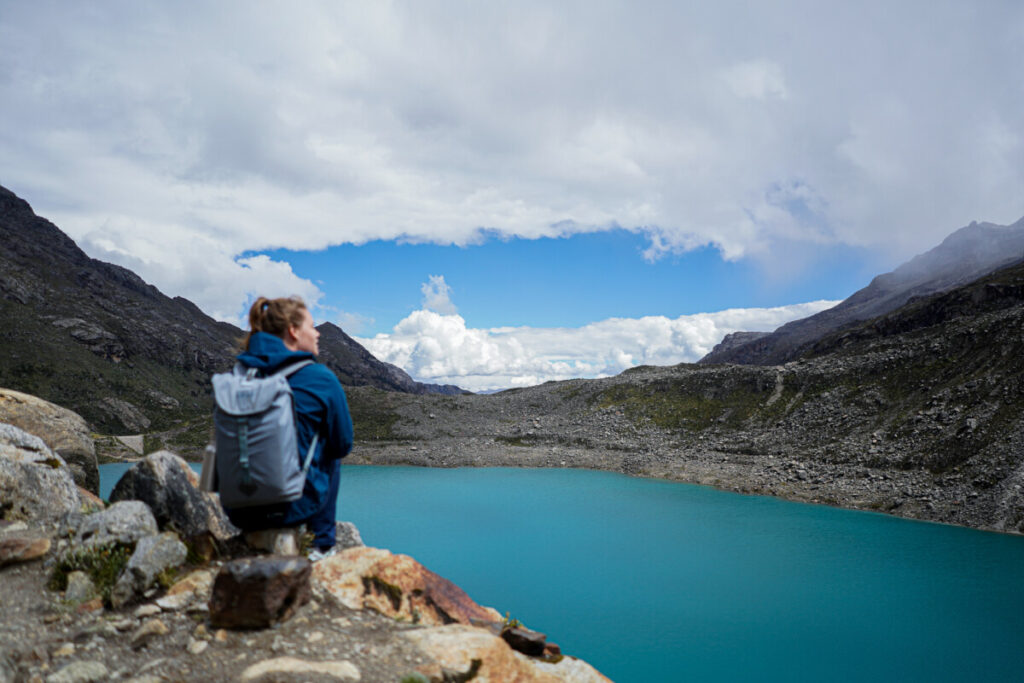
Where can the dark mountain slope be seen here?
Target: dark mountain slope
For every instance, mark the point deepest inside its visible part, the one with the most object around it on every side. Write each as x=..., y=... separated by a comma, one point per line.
x=95, y=338
x=964, y=256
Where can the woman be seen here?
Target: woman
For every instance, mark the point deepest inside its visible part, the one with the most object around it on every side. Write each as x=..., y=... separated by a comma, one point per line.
x=281, y=333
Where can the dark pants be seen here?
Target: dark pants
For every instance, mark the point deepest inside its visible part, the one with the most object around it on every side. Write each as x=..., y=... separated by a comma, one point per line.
x=322, y=523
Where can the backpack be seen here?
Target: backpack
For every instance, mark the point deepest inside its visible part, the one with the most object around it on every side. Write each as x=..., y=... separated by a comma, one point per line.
x=257, y=459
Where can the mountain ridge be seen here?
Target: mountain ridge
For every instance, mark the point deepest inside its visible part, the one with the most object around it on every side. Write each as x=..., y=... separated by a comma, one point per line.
x=963, y=256
x=96, y=338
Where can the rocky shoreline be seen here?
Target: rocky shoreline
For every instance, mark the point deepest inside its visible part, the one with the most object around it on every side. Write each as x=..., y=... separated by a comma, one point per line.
x=158, y=586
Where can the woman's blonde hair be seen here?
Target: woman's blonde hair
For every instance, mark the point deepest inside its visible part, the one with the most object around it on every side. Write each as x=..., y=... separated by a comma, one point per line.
x=275, y=316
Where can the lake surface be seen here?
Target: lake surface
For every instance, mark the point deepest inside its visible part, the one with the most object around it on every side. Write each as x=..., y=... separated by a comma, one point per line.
x=661, y=581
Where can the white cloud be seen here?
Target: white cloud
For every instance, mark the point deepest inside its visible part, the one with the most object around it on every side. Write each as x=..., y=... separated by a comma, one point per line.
x=441, y=349
x=149, y=134
x=437, y=296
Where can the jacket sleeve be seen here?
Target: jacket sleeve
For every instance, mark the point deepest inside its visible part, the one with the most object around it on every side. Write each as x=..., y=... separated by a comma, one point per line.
x=338, y=428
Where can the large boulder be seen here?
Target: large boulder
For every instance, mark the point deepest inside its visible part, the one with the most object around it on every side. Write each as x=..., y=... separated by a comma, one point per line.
x=257, y=592
x=35, y=483
x=166, y=483
x=397, y=586
x=64, y=431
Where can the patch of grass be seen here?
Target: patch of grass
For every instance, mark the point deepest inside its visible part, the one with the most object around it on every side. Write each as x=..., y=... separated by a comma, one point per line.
x=102, y=563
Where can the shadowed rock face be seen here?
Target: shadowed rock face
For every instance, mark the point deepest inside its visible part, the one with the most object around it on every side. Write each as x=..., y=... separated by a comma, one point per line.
x=964, y=256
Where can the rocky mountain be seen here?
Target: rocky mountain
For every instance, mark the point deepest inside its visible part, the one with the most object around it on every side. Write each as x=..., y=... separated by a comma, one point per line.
x=95, y=338
x=964, y=256
x=355, y=366
x=919, y=413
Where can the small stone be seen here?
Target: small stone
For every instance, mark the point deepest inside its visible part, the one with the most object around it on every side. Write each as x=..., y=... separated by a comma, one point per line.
x=173, y=603
x=123, y=624
x=65, y=650
x=148, y=631
x=146, y=611
x=80, y=588
x=315, y=637
x=201, y=632
x=14, y=550
x=197, y=647
x=524, y=640
x=221, y=636
x=80, y=672
x=94, y=605
x=342, y=670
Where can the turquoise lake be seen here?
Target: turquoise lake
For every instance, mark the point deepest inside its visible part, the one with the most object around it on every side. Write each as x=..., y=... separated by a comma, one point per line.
x=659, y=581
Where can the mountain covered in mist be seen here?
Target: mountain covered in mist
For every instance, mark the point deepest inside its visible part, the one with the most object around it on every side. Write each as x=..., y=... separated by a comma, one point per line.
x=964, y=256
x=95, y=338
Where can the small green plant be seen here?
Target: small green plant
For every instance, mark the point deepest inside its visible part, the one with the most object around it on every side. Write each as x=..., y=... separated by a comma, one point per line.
x=102, y=563
x=508, y=622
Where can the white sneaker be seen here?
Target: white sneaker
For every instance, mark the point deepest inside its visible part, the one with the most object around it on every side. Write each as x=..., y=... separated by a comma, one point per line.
x=315, y=555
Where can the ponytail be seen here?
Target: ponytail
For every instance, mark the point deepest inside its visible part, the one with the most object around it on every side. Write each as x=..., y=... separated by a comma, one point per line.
x=274, y=316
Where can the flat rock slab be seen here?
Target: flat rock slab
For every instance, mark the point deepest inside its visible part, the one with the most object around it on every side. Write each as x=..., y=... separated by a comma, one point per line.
x=257, y=592
x=397, y=586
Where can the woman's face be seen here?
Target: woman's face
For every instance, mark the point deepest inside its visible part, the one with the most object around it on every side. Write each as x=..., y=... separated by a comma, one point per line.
x=305, y=337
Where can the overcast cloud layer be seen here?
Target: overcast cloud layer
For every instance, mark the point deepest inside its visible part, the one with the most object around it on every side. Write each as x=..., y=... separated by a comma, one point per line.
x=434, y=344
x=173, y=137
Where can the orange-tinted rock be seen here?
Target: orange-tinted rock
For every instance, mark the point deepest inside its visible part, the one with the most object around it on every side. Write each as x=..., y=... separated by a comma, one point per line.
x=90, y=501
x=398, y=586
x=460, y=652
x=20, y=549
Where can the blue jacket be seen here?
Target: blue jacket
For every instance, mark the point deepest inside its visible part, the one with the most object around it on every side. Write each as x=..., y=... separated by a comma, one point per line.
x=320, y=408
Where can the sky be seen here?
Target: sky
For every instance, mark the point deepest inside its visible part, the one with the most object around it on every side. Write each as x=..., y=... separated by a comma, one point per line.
x=496, y=194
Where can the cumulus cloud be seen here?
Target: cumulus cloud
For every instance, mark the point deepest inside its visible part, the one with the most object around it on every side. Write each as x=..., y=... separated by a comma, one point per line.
x=236, y=127
x=437, y=296
x=438, y=348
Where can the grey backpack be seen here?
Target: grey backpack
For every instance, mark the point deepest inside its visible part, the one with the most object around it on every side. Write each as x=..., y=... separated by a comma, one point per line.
x=257, y=458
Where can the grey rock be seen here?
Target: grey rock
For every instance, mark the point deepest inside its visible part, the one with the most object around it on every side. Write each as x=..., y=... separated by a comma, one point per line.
x=35, y=483
x=80, y=672
x=166, y=483
x=347, y=536
x=80, y=588
x=125, y=522
x=152, y=555
x=63, y=431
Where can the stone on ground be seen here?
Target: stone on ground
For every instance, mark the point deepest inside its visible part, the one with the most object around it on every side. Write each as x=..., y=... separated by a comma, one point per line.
x=126, y=523
x=80, y=672
x=273, y=668
x=152, y=555
x=257, y=592
x=14, y=549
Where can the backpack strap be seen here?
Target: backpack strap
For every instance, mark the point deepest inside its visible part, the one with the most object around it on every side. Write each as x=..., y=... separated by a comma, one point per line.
x=291, y=369
x=286, y=372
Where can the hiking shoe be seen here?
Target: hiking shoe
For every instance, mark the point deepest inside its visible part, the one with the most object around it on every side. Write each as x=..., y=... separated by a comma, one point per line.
x=317, y=554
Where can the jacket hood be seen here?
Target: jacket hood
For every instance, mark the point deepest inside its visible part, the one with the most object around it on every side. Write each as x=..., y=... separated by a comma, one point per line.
x=268, y=353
